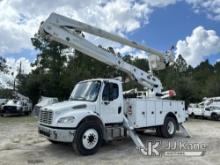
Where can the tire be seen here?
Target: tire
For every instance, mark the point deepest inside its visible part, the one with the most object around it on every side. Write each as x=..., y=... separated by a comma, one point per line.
x=158, y=131
x=192, y=116
x=26, y=113
x=214, y=116
x=88, y=138
x=168, y=129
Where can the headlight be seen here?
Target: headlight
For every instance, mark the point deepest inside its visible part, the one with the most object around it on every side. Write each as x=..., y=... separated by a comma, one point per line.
x=69, y=119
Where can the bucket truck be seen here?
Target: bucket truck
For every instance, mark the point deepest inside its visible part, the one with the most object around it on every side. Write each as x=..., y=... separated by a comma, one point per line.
x=208, y=108
x=97, y=110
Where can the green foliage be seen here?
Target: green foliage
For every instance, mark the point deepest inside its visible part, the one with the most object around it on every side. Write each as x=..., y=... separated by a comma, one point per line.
x=3, y=66
x=56, y=73
x=6, y=93
x=50, y=66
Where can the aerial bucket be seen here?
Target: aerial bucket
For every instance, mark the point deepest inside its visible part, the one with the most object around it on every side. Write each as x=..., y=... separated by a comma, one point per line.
x=156, y=62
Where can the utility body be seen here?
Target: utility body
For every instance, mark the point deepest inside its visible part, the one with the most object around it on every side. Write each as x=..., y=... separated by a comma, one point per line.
x=98, y=110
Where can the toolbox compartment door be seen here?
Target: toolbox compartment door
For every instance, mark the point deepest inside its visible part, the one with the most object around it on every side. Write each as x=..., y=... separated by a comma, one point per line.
x=151, y=113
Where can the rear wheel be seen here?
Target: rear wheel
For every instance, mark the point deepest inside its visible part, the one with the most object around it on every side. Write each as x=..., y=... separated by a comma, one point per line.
x=88, y=138
x=168, y=129
x=193, y=116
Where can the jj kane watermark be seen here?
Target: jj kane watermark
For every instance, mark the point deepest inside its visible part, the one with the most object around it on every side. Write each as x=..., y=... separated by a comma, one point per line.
x=173, y=148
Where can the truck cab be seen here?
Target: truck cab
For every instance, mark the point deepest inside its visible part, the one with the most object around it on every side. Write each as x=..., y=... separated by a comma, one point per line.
x=97, y=99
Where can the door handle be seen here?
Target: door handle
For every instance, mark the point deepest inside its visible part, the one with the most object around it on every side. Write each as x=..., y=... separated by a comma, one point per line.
x=119, y=110
x=106, y=102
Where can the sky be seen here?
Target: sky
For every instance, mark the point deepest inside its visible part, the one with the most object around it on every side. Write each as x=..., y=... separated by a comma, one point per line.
x=192, y=26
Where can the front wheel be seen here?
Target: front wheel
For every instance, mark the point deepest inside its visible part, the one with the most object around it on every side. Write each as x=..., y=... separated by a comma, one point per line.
x=168, y=130
x=214, y=116
x=26, y=113
x=88, y=138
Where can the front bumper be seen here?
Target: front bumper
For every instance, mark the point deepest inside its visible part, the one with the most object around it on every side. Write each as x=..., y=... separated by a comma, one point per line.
x=57, y=134
x=11, y=110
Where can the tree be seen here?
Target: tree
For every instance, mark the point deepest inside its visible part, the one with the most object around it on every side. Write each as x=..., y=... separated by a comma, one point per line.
x=49, y=69
x=3, y=65
x=56, y=73
x=201, y=75
x=213, y=85
x=181, y=64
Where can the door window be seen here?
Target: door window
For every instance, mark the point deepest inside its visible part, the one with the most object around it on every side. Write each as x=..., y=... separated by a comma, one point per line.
x=110, y=92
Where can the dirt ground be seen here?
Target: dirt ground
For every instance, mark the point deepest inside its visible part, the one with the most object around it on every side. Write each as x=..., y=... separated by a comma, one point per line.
x=20, y=144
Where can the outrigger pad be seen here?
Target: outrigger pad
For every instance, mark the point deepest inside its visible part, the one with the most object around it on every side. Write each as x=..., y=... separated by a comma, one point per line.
x=185, y=131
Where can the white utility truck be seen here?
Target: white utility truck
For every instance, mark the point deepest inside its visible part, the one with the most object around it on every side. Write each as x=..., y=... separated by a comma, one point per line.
x=208, y=108
x=43, y=101
x=97, y=110
x=16, y=107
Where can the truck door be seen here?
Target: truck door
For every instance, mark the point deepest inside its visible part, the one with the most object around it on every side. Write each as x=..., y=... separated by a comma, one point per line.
x=111, y=103
x=207, y=111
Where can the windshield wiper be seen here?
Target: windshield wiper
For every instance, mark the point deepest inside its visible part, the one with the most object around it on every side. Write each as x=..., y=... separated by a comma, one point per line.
x=78, y=98
x=81, y=98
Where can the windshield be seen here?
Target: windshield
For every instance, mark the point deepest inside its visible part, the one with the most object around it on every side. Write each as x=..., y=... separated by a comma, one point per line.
x=86, y=91
x=216, y=108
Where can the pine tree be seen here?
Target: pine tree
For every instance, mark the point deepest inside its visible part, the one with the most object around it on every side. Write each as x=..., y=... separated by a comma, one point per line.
x=3, y=65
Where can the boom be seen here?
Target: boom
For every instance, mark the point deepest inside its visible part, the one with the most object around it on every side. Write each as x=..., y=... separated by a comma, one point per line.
x=66, y=31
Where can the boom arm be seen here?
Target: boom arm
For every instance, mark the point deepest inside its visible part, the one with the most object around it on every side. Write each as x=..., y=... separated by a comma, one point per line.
x=65, y=31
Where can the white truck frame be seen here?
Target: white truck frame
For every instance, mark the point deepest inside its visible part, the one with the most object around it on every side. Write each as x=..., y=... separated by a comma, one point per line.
x=97, y=110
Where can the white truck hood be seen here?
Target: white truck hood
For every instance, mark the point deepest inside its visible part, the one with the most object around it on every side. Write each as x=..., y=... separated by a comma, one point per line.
x=12, y=103
x=45, y=101
x=73, y=105
x=77, y=109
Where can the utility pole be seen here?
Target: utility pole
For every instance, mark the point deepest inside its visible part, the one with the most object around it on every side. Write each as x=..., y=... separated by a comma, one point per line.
x=15, y=76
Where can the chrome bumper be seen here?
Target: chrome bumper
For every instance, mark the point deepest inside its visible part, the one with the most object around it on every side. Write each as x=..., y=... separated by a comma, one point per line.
x=57, y=134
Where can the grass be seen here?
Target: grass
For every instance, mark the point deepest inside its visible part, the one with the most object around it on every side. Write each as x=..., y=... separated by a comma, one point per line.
x=18, y=119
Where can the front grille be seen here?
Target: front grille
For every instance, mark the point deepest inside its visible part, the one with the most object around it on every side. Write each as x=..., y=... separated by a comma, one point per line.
x=46, y=116
x=10, y=109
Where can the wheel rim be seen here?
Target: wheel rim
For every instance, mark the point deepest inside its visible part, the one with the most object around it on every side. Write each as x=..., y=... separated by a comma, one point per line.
x=90, y=138
x=170, y=127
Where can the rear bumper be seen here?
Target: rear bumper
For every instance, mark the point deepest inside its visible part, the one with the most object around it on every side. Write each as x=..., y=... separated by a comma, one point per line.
x=57, y=134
